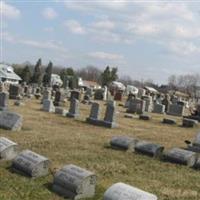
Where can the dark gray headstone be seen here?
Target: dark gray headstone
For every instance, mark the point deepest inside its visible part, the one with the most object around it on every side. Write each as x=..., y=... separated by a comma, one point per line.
x=159, y=108
x=181, y=156
x=14, y=91
x=149, y=148
x=123, y=142
x=4, y=96
x=145, y=117
x=74, y=182
x=122, y=191
x=189, y=123
x=94, y=113
x=10, y=121
x=74, y=109
x=176, y=110
x=8, y=149
x=31, y=164
x=169, y=121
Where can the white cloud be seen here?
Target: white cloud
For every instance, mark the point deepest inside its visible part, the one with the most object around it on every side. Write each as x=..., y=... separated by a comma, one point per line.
x=49, y=13
x=49, y=29
x=184, y=48
x=74, y=27
x=9, y=11
x=104, y=24
x=105, y=56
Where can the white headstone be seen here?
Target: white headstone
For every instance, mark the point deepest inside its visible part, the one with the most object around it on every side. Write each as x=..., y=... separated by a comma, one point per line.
x=121, y=191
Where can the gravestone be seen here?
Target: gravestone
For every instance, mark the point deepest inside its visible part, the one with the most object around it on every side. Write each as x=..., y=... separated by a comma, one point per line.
x=181, y=156
x=31, y=164
x=118, y=95
x=145, y=117
x=148, y=103
x=60, y=111
x=176, y=110
x=110, y=115
x=169, y=121
x=189, y=123
x=166, y=102
x=158, y=108
x=105, y=93
x=46, y=94
x=123, y=142
x=59, y=98
x=141, y=92
x=136, y=106
x=14, y=91
x=75, y=95
x=94, y=114
x=8, y=149
x=10, y=121
x=19, y=103
x=122, y=191
x=195, y=144
x=4, y=96
x=100, y=94
x=48, y=106
x=74, y=109
x=149, y=148
x=74, y=182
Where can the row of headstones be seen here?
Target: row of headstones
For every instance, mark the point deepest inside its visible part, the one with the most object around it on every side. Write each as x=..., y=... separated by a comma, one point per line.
x=140, y=106
x=186, y=122
x=188, y=156
x=108, y=121
x=71, y=181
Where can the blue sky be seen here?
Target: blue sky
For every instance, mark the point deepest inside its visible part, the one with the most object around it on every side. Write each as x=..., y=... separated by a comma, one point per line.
x=144, y=39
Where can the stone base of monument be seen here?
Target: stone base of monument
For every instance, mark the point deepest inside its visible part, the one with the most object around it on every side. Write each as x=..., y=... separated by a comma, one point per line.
x=144, y=117
x=169, y=121
x=123, y=143
x=74, y=182
x=101, y=123
x=8, y=149
x=149, y=149
x=194, y=117
x=122, y=191
x=61, y=111
x=10, y=121
x=3, y=108
x=189, y=123
x=31, y=164
x=180, y=156
x=71, y=115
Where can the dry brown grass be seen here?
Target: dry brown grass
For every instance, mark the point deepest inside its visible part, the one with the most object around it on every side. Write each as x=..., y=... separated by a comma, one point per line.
x=64, y=140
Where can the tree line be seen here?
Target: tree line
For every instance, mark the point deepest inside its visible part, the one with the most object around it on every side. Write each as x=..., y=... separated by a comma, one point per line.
x=41, y=74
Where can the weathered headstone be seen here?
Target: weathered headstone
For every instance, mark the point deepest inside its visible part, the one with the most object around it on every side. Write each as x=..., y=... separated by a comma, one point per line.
x=94, y=114
x=57, y=100
x=148, y=103
x=176, y=110
x=100, y=95
x=136, y=106
x=75, y=95
x=181, y=156
x=48, y=106
x=123, y=142
x=141, y=92
x=46, y=94
x=10, y=121
x=31, y=164
x=8, y=149
x=149, y=148
x=74, y=109
x=110, y=115
x=60, y=111
x=74, y=182
x=189, y=123
x=14, y=91
x=4, y=96
x=122, y=191
x=169, y=121
x=145, y=117
x=159, y=108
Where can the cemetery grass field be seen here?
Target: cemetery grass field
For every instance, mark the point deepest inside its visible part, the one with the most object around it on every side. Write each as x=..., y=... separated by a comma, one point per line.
x=64, y=141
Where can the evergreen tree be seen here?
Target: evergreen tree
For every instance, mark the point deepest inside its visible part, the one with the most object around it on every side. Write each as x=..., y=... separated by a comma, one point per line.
x=48, y=73
x=37, y=75
x=109, y=75
x=66, y=72
x=26, y=74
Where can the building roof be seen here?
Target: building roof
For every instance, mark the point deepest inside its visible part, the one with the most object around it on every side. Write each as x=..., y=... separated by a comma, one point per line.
x=152, y=90
x=7, y=72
